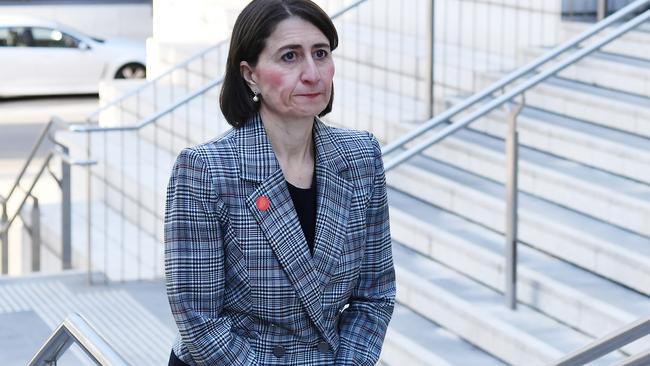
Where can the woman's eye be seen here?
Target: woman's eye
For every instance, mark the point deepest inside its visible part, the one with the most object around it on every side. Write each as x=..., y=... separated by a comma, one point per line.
x=321, y=54
x=289, y=56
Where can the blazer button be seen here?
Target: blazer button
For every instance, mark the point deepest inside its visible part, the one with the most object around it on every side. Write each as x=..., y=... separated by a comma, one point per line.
x=323, y=347
x=278, y=351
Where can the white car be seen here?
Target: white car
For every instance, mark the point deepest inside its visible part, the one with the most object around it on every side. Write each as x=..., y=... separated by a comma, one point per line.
x=39, y=57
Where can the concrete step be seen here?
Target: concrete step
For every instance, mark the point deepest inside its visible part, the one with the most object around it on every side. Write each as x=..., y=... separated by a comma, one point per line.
x=412, y=339
x=605, y=107
x=588, y=190
x=606, y=70
x=478, y=315
x=631, y=44
x=601, y=248
x=571, y=295
x=608, y=108
x=578, y=140
x=133, y=317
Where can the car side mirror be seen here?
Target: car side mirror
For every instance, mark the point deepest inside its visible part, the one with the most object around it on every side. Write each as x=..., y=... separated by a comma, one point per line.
x=84, y=46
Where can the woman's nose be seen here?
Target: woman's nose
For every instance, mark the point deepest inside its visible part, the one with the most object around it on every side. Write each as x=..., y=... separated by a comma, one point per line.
x=310, y=72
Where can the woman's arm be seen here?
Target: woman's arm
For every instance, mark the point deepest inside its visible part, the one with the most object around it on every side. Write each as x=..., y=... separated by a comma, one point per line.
x=363, y=324
x=194, y=266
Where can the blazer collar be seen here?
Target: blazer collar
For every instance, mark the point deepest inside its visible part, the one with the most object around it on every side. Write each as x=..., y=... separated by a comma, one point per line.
x=258, y=161
x=280, y=224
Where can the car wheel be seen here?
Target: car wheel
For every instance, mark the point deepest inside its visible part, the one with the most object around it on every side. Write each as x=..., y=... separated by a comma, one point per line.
x=131, y=71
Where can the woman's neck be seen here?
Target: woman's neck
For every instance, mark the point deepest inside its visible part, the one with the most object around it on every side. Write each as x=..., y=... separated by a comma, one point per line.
x=291, y=139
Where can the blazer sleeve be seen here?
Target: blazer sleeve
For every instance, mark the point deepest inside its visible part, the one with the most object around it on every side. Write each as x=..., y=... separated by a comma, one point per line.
x=194, y=267
x=363, y=324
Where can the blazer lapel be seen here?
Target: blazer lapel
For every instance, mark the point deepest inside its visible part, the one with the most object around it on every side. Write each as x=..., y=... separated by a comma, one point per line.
x=279, y=221
x=334, y=196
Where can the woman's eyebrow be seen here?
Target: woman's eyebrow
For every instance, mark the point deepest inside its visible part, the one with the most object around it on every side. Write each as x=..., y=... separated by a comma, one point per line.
x=297, y=46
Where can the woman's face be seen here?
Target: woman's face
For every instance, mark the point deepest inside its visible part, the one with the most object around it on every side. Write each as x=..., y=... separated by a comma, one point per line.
x=294, y=71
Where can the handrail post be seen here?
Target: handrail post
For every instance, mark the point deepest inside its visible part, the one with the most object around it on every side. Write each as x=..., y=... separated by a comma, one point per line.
x=601, y=10
x=4, y=239
x=512, y=166
x=431, y=70
x=35, y=231
x=66, y=212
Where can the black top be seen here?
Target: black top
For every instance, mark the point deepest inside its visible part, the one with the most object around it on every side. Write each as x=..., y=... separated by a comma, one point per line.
x=304, y=200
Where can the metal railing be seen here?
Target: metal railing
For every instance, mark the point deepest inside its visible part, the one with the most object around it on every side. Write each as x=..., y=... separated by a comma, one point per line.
x=506, y=97
x=33, y=228
x=610, y=343
x=75, y=329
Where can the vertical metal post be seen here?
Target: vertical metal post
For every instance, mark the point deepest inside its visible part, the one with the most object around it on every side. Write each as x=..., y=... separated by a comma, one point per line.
x=66, y=213
x=4, y=239
x=512, y=159
x=89, y=212
x=431, y=55
x=36, y=235
x=601, y=11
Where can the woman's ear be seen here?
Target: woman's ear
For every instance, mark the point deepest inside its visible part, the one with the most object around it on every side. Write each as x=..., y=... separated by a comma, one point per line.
x=248, y=74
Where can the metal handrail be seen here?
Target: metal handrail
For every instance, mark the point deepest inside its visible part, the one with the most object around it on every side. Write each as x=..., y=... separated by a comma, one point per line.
x=511, y=211
x=75, y=329
x=6, y=221
x=513, y=76
x=149, y=83
x=4, y=227
x=39, y=142
x=609, y=343
x=520, y=89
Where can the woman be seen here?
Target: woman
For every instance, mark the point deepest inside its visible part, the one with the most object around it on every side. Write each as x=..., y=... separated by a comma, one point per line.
x=277, y=240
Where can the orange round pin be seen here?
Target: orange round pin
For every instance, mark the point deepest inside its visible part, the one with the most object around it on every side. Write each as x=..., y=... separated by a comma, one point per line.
x=262, y=203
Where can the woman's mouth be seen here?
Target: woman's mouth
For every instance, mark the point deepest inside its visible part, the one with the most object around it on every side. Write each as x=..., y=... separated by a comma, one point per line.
x=309, y=95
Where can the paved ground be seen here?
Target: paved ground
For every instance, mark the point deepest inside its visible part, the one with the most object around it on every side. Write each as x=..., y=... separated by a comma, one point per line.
x=133, y=317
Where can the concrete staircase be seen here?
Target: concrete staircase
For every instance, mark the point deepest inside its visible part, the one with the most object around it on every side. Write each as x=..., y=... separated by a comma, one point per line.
x=584, y=251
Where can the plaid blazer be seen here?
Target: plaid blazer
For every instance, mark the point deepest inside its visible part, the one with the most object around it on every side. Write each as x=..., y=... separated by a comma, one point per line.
x=241, y=282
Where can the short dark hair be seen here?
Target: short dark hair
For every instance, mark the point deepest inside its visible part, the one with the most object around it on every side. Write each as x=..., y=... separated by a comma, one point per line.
x=252, y=28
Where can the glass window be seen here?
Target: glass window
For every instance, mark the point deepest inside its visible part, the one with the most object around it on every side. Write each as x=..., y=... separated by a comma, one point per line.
x=4, y=37
x=14, y=37
x=47, y=37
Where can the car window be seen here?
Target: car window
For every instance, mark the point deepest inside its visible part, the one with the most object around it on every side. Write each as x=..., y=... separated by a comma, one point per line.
x=4, y=37
x=14, y=37
x=47, y=37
